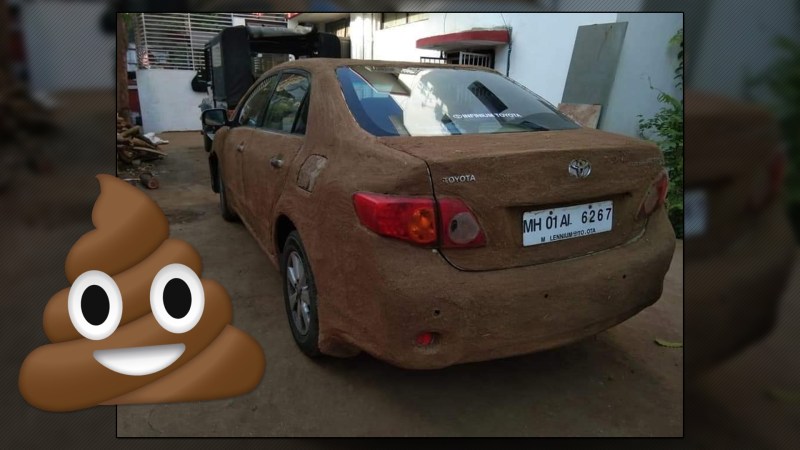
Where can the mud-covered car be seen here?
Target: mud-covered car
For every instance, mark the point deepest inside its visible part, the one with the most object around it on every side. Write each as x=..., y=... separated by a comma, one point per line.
x=740, y=249
x=432, y=215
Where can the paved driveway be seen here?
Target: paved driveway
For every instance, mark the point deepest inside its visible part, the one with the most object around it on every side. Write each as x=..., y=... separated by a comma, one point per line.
x=618, y=383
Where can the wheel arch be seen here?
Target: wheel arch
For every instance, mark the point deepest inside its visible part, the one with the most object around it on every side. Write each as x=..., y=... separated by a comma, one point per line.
x=213, y=166
x=283, y=226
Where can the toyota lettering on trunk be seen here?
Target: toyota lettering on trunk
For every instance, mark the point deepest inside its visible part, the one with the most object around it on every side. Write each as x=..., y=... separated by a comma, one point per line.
x=468, y=178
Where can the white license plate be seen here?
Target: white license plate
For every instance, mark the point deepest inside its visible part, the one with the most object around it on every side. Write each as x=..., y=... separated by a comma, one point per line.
x=695, y=213
x=557, y=224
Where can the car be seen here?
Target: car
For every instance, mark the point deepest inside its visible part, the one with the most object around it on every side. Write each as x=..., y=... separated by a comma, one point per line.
x=740, y=246
x=432, y=215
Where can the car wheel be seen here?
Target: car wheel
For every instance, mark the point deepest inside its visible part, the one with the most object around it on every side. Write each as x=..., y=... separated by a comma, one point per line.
x=227, y=214
x=300, y=295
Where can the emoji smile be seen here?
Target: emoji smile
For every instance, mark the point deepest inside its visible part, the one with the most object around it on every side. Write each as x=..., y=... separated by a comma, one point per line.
x=138, y=361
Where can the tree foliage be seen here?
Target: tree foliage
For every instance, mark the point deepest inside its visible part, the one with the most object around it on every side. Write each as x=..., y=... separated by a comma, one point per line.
x=782, y=78
x=665, y=128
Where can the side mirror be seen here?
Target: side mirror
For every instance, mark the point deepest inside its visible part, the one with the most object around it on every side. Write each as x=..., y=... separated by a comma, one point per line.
x=214, y=118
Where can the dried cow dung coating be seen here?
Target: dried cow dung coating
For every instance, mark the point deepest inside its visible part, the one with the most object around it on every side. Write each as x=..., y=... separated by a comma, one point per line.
x=182, y=348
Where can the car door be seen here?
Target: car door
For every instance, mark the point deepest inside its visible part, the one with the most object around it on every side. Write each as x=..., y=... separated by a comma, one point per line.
x=245, y=121
x=272, y=147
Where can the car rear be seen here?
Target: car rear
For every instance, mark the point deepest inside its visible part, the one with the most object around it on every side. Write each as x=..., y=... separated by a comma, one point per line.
x=536, y=232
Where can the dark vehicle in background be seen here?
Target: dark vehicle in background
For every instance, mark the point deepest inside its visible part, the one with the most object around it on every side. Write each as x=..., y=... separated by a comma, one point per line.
x=238, y=55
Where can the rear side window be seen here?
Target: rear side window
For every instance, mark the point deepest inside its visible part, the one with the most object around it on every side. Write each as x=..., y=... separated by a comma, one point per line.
x=254, y=104
x=286, y=103
x=423, y=101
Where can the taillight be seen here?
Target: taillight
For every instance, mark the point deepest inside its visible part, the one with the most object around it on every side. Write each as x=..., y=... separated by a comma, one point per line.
x=426, y=339
x=460, y=227
x=656, y=195
x=408, y=218
x=768, y=183
x=414, y=219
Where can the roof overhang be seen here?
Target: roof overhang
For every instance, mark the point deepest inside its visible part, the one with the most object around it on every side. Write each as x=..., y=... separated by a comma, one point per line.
x=466, y=39
x=316, y=17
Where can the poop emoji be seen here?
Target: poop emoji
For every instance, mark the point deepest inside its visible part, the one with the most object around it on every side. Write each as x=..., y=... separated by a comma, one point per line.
x=137, y=324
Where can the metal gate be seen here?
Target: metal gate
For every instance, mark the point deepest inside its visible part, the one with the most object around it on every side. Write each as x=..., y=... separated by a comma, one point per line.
x=428, y=59
x=474, y=59
x=176, y=40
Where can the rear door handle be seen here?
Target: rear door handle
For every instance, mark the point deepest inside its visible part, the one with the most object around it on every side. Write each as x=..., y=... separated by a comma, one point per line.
x=240, y=147
x=276, y=162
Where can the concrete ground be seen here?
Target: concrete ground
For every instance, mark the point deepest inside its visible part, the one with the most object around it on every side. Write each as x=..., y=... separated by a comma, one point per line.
x=619, y=383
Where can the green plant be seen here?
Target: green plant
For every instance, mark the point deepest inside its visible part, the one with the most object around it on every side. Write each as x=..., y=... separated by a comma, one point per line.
x=782, y=79
x=665, y=128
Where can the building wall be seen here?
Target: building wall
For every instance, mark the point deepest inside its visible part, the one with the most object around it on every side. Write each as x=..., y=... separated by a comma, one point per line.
x=645, y=59
x=167, y=100
x=57, y=49
x=541, y=43
x=540, y=57
x=541, y=51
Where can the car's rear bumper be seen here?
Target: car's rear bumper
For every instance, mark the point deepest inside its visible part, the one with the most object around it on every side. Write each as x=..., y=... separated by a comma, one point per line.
x=494, y=314
x=732, y=296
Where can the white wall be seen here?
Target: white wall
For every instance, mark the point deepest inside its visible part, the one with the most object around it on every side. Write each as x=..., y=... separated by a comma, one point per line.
x=541, y=43
x=541, y=49
x=541, y=52
x=362, y=34
x=646, y=58
x=399, y=43
x=66, y=48
x=168, y=101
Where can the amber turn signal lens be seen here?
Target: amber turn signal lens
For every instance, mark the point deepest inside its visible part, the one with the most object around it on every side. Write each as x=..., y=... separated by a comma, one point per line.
x=422, y=226
x=411, y=219
x=414, y=219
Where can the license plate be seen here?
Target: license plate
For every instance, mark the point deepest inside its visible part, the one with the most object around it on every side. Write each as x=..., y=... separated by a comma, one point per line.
x=557, y=224
x=695, y=213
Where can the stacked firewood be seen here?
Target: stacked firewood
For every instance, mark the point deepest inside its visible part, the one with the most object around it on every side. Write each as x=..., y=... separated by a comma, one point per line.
x=18, y=112
x=24, y=122
x=133, y=146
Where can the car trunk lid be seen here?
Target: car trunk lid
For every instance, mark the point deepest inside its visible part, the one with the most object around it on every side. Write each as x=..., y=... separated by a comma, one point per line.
x=503, y=176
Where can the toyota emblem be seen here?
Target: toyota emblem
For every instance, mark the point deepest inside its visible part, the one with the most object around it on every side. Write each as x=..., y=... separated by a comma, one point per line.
x=580, y=168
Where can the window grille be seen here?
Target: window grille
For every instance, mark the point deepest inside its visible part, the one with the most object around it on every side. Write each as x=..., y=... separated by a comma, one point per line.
x=474, y=59
x=428, y=59
x=176, y=40
x=389, y=20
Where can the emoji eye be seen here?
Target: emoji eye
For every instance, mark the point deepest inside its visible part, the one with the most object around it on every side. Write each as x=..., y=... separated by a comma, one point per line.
x=94, y=305
x=177, y=298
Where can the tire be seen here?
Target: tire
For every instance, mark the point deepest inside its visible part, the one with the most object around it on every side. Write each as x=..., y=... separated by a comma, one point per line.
x=302, y=313
x=224, y=209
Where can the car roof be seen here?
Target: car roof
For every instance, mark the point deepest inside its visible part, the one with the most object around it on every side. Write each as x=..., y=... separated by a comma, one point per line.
x=318, y=65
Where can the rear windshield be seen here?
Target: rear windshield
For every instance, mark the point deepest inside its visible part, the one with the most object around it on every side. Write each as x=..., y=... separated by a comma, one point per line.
x=424, y=101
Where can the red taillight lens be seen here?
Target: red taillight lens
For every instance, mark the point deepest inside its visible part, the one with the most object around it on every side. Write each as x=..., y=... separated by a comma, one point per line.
x=408, y=218
x=425, y=339
x=460, y=227
x=414, y=219
x=768, y=183
x=656, y=195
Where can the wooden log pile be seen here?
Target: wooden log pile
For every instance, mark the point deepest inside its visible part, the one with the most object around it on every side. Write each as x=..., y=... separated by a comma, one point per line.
x=24, y=123
x=133, y=146
x=146, y=179
x=19, y=112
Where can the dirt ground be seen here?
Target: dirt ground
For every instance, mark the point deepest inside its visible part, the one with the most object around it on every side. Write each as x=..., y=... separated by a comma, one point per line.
x=619, y=383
